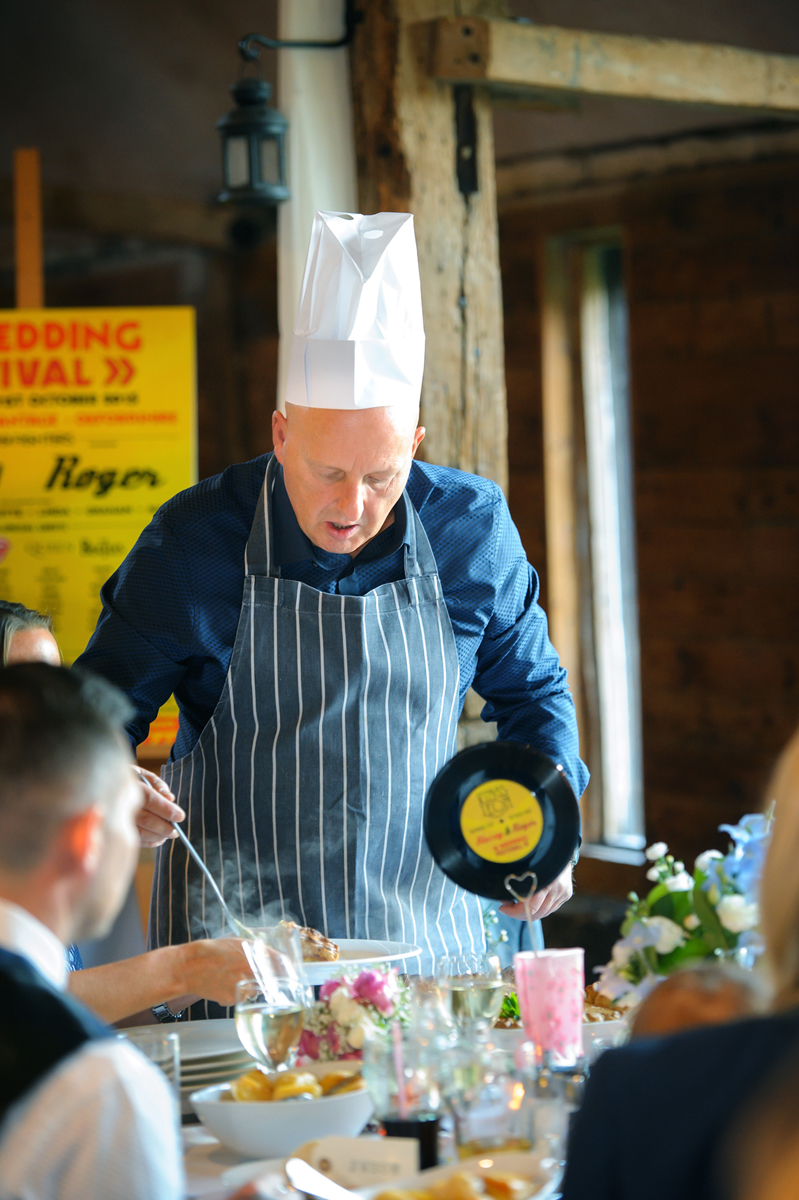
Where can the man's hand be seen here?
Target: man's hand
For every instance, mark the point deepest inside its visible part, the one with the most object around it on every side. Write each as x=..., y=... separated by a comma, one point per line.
x=547, y=901
x=209, y=969
x=158, y=810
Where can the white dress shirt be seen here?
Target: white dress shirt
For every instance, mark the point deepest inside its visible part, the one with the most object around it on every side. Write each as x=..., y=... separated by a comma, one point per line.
x=102, y=1125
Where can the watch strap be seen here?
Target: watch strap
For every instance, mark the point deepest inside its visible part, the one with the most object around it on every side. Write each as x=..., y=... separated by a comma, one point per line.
x=163, y=1013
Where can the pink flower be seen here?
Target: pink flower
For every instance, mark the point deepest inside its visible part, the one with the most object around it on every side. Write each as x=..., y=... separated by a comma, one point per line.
x=333, y=1040
x=309, y=1043
x=329, y=987
x=373, y=988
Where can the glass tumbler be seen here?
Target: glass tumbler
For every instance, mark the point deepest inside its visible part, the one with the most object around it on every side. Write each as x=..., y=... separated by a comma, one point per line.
x=549, y=985
x=162, y=1049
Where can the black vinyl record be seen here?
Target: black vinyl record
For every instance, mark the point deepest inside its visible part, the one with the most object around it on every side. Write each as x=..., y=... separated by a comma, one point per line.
x=497, y=810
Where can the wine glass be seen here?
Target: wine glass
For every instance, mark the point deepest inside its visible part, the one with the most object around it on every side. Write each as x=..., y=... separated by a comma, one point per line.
x=472, y=984
x=269, y=1012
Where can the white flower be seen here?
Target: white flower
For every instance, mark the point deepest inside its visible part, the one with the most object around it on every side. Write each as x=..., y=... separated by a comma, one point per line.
x=682, y=882
x=654, y=874
x=356, y=1034
x=345, y=1010
x=670, y=936
x=735, y=914
x=679, y=867
x=704, y=860
x=692, y=921
x=657, y=850
x=621, y=955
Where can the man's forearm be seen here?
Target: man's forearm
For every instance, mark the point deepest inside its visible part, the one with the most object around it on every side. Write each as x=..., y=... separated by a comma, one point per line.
x=132, y=986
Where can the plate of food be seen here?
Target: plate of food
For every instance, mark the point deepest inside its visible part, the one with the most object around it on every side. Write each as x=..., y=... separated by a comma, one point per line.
x=359, y=952
x=604, y=1024
x=324, y=958
x=504, y=1175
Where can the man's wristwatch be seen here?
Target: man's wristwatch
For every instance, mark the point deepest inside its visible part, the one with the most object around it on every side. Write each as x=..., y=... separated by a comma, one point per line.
x=164, y=1014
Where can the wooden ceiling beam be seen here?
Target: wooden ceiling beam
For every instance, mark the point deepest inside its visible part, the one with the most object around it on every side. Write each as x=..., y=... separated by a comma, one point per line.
x=508, y=54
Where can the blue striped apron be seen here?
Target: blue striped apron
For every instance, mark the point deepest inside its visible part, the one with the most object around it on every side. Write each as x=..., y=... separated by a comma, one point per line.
x=305, y=790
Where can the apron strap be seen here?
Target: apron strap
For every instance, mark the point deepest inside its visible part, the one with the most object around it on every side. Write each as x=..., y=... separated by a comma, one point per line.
x=258, y=554
x=419, y=557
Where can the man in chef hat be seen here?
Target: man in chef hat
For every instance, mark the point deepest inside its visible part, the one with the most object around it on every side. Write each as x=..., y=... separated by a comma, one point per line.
x=319, y=614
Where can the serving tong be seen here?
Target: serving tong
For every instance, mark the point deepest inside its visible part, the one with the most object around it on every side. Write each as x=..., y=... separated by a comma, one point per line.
x=241, y=929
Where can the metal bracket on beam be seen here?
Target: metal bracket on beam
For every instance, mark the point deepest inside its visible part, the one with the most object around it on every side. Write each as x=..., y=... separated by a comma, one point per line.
x=465, y=140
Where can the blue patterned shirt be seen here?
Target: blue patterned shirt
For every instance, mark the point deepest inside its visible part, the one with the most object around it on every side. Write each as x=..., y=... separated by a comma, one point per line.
x=171, y=610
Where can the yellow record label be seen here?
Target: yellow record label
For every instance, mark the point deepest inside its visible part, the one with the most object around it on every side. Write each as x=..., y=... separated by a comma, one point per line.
x=502, y=821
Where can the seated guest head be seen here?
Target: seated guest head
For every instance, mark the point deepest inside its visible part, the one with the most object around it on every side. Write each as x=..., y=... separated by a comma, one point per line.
x=709, y=993
x=68, y=800
x=779, y=888
x=26, y=635
x=664, y=1116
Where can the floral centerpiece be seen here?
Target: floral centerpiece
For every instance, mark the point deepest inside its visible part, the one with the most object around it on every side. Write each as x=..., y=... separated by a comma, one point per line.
x=347, y=1011
x=685, y=916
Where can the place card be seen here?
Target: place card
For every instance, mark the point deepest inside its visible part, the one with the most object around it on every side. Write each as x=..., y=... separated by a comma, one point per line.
x=356, y=1162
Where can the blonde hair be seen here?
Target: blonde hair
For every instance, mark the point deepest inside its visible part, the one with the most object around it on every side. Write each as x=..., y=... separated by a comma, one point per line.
x=779, y=887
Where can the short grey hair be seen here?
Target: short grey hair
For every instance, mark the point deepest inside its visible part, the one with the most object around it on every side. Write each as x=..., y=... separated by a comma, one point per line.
x=16, y=618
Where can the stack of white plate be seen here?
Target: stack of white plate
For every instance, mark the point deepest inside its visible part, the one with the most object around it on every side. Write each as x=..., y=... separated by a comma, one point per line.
x=210, y=1051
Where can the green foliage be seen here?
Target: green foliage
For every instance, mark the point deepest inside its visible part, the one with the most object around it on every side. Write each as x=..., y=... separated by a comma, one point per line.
x=712, y=928
x=695, y=947
x=510, y=1009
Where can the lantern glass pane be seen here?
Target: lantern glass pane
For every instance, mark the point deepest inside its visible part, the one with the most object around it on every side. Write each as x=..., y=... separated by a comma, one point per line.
x=238, y=162
x=270, y=161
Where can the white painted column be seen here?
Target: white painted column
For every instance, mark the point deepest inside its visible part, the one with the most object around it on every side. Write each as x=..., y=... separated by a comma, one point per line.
x=314, y=94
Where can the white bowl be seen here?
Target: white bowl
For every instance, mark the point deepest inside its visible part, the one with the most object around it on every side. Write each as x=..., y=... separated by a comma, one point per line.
x=275, y=1128
x=597, y=1036
x=603, y=1035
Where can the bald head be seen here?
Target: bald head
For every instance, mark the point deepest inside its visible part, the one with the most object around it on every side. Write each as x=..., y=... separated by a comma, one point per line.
x=345, y=469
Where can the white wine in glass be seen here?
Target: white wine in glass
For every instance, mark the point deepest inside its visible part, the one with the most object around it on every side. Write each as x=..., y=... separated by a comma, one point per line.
x=474, y=987
x=269, y=1023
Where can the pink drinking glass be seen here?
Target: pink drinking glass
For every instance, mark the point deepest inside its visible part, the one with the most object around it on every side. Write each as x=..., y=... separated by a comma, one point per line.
x=549, y=985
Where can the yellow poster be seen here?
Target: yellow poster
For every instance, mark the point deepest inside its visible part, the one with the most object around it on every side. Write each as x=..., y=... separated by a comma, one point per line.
x=97, y=430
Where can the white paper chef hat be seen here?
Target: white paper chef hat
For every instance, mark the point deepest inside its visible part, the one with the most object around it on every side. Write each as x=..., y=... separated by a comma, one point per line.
x=359, y=337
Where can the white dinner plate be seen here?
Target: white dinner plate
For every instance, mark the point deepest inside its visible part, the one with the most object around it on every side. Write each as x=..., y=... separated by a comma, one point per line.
x=249, y=1171
x=545, y=1171
x=214, y=1074
x=198, y=1067
x=193, y=1083
x=359, y=952
x=198, y=1039
x=597, y=1036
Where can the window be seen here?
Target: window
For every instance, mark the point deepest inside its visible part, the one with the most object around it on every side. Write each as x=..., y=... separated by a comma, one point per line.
x=591, y=527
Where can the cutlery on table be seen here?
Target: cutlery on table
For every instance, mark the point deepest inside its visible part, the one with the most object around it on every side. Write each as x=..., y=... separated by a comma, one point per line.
x=307, y=1179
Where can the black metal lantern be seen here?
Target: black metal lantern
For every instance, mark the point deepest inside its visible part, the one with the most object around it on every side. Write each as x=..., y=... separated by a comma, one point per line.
x=253, y=134
x=253, y=147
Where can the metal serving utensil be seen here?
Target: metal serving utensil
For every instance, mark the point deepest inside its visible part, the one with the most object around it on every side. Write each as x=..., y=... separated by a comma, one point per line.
x=343, y=1083
x=307, y=1179
x=241, y=929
